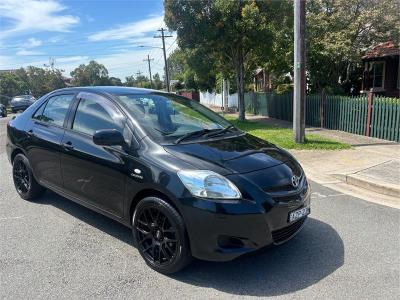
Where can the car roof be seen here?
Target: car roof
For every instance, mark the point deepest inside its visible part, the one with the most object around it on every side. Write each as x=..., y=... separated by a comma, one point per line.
x=22, y=96
x=113, y=90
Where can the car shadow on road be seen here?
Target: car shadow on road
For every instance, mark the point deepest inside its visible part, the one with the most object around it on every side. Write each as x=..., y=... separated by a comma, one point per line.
x=312, y=255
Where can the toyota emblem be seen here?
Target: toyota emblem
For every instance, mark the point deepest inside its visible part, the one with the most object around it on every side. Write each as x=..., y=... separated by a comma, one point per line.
x=295, y=181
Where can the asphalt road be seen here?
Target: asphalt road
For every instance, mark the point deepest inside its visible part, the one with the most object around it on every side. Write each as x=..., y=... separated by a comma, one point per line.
x=53, y=248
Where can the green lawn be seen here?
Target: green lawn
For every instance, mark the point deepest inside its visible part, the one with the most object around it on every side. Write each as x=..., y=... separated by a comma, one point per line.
x=283, y=137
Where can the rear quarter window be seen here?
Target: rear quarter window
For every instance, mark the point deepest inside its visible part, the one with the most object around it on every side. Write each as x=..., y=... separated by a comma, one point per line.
x=55, y=110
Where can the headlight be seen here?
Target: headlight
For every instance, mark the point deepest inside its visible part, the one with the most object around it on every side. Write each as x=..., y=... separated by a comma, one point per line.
x=208, y=184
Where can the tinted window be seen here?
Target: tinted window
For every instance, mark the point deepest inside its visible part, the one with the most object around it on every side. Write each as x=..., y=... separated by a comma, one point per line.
x=55, y=110
x=97, y=114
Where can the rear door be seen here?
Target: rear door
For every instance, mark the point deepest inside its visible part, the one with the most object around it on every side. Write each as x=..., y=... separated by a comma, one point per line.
x=45, y=133
x=92, y=173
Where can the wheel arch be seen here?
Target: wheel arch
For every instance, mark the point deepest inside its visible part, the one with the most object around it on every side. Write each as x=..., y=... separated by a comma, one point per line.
x=150, y=192
x=15, y=152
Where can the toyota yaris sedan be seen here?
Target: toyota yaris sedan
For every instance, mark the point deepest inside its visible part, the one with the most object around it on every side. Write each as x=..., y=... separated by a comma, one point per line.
x=186, y=181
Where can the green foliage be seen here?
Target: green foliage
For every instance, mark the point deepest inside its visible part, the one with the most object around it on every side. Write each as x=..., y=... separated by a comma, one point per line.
x=338, y=33
x=11, y=85
x=32, y=80
x=90, y=75
x=230, y=33
x=144, y=82
x=189, y=68
x=236, y=37
x=115, y=81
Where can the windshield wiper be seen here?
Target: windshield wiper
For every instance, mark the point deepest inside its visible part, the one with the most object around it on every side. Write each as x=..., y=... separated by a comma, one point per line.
x=220, y=131
x=192, y=134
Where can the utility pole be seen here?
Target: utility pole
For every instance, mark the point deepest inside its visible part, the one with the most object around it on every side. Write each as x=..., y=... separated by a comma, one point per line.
x=138, y=73
x=299, y=93
x=163, y=36
x=148, y=60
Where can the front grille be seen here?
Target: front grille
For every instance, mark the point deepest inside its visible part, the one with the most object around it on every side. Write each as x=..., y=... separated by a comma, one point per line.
x=280, y=188
x=288, y=198
x=285, y=233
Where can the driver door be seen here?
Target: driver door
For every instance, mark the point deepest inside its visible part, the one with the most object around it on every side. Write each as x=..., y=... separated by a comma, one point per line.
x=92, y=173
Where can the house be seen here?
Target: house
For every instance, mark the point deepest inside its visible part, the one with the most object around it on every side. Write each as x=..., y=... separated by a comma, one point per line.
x=262, y=81
x=381, y=70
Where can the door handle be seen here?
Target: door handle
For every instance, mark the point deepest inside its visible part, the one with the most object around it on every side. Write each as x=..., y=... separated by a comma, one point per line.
x=68, y=146
x=30, y=133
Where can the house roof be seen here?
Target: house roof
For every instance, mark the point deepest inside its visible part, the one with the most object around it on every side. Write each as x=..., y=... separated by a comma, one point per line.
x=381, y=50
x=258, y=71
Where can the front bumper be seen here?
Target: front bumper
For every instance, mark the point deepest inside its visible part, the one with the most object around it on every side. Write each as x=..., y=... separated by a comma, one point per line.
x=222, y=231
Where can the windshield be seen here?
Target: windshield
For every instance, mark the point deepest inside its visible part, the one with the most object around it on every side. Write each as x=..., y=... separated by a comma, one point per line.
x=168, y=118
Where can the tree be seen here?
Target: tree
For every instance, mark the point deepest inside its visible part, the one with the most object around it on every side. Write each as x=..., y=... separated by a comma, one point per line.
x=91, y=74
x=138, y=81
x=229, y=30
x=41, y=81
x=189, y=68
x=115, y=81
x=158, y=84
x=11, y=85
x=339, y=32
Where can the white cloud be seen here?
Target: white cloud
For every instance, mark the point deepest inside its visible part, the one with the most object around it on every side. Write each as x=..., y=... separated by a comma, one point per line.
x=130, y=30
x=25, y=16
x=55, y=39
x=24, y=52
x=32, y=43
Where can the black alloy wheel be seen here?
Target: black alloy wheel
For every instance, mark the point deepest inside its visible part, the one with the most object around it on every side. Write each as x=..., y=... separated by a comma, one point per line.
x=21, y=177
x=25, y=184
x=160, y=235
x=156, y=236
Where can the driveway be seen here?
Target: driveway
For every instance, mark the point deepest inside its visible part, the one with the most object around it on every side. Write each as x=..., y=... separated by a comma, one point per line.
x=54, y=248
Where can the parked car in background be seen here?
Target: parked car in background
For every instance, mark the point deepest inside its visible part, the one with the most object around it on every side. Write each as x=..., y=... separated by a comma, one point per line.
x=20, y=103
x=185, y=180
x=3, y=111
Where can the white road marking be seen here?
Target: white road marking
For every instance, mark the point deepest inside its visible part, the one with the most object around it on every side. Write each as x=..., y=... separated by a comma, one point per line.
x=316, y=194
x=11, y=218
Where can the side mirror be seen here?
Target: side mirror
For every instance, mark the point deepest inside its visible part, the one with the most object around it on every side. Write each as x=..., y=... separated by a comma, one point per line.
x=108, y=137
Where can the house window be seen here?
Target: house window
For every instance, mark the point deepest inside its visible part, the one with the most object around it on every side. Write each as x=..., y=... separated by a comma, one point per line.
x=377, y=74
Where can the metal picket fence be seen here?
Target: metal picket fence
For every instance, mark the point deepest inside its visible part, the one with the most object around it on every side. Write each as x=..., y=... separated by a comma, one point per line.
x=370, y=115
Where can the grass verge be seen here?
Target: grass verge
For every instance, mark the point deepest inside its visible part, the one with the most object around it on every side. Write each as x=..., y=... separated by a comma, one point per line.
x=283, y=137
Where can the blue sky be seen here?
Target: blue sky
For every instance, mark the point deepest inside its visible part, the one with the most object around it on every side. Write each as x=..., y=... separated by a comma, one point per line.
x=75, y=32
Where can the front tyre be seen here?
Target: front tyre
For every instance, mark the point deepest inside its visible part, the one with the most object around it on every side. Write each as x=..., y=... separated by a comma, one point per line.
x=159, y=233
x=24, y=182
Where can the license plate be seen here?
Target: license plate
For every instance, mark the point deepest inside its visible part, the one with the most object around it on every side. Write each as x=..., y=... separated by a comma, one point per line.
x=298, y=214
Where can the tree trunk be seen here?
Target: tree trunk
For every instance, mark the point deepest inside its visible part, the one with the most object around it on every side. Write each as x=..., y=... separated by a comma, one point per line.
x=347, y=73
x=240, y=84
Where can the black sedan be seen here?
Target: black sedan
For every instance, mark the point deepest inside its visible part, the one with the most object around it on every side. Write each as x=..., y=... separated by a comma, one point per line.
x=20, y=103
x=186, y=181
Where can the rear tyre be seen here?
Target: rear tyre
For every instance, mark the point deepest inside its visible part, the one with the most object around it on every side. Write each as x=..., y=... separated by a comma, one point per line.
x=160, y=235
x=24, y=182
